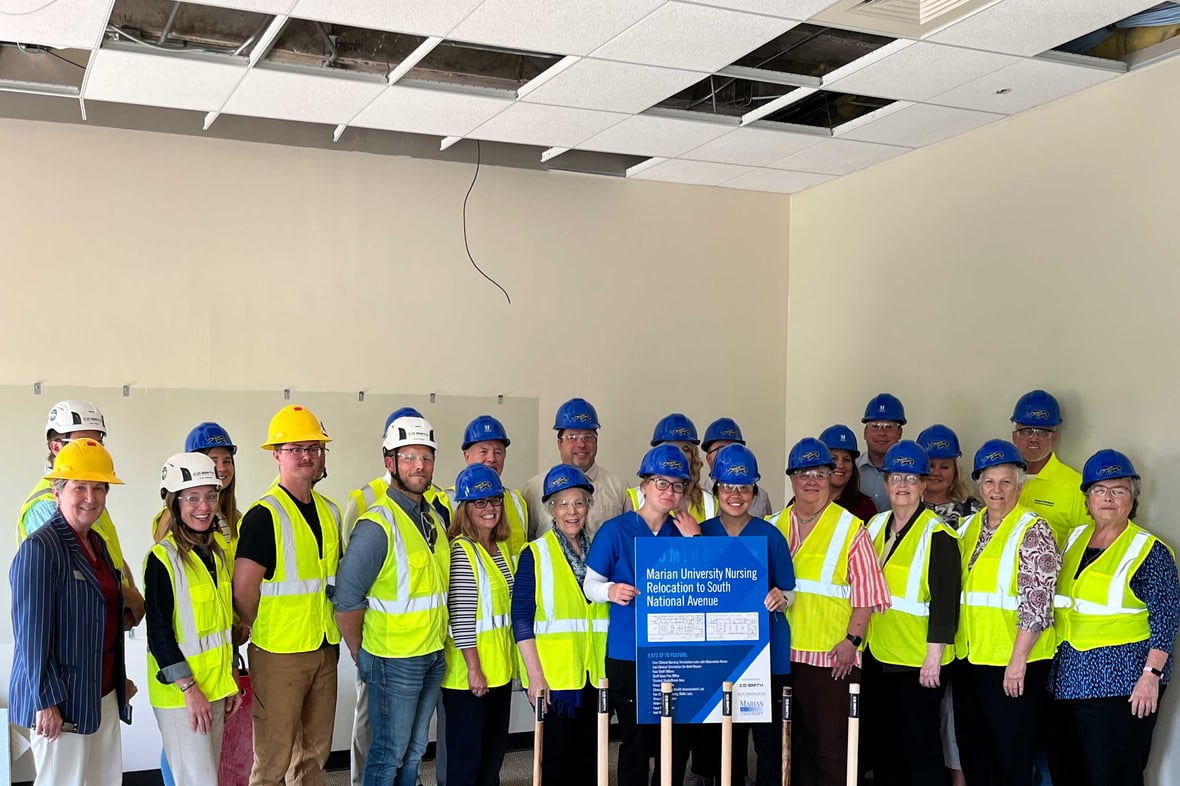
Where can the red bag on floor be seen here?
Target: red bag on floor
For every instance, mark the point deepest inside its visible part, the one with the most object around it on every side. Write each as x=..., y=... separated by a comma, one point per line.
x=237, y=744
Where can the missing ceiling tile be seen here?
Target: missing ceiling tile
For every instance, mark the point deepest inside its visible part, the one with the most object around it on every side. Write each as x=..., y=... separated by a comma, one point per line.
x=826, y=109
x=812, y=50
x=42, y=69
x=726, y=96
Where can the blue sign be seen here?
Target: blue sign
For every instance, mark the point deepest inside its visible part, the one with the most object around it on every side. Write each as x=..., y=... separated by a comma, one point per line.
x=701, y=620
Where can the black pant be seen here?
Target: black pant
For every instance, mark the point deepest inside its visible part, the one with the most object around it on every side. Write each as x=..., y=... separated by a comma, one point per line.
x=819, y=730
x=639, y=744
x=901, y=727
x=568, y=751
x=1098, y=742
x=998, y=734
x=477, y=735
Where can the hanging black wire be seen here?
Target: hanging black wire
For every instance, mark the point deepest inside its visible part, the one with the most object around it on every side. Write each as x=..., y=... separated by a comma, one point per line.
x=467, y=245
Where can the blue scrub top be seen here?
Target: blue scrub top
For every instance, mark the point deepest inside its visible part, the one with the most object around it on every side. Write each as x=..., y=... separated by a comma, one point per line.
x=781, y=574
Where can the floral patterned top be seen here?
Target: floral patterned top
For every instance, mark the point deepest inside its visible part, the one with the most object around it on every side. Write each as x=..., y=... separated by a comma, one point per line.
x=1036, y=576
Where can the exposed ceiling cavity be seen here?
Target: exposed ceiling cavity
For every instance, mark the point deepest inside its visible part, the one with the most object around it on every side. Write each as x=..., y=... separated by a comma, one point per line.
x=1133, y=39
x=811, y=50
x=825, y=109
x=727, y=96
x=42, y=69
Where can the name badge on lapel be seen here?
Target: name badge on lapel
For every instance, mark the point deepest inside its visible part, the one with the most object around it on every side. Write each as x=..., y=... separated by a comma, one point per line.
x=78, y=575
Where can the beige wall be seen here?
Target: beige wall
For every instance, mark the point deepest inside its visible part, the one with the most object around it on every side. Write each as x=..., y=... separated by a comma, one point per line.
x=1039, y=252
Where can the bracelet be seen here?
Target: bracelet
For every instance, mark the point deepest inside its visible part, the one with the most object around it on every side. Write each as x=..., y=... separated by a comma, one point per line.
x=184, y=688
x=1153, y=670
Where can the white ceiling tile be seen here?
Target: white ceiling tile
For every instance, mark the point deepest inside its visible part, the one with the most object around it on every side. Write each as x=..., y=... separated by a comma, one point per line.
x=701, y=173
x=753, y=146
x=1023, y=85
x=920, y=71
x=777, y=180
x=839, y=157
x=66, y=24
x=257, y=6
x=786, y=9
x=416, y=110
x=617, y=87
x=919, y=125
x=428, y=17
x=172, y=81
x=556, y=26
x=693, y=37
x=310, y=98
x=652, y=135
x=547, y=126
x=1030, y=27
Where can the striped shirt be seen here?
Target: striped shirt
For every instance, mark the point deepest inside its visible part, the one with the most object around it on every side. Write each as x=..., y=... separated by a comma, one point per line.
x=868, y=586
x=463, y=593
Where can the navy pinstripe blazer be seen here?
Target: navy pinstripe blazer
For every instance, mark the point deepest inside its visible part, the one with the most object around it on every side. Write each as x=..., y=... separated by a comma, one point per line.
x=58, y=614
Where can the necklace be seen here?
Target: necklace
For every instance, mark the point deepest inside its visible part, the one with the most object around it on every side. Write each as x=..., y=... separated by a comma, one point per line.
x=805, y=521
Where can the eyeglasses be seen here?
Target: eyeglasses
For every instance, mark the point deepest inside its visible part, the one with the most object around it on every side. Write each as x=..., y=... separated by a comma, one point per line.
x=736, y=488
x=574, y=505
x=412, y=458
x=495, y=502
x=583, y=438
x=898, y=479
x=882, y=425
x=1035, y=433
x=298, y=451
x=813, y=474
x=663, y=484
x=1114, y=492
x=196, y=499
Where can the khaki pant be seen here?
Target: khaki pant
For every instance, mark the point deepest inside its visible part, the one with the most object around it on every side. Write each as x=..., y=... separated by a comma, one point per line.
x=83, y=759
x=294, y=711
x=192, y=756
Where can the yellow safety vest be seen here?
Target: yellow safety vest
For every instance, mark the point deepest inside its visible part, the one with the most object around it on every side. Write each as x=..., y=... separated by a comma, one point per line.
x=819, y=616
x=1055, y=495
x=294, y=611
x=201, y=619
x=899, y=635
x=517, y=514
x=105, y=528
x=1098, y=609
x=368, y=495
x=705, y=511
x=570, y=630
x=493, y=623
x=987, y=625
x=407, y=613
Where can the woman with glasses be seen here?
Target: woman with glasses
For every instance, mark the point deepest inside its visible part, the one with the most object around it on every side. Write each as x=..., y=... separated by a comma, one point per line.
x=1118, y=607
x=480, y=656
x=735, y=485
x=839, y=587
x=910, y=643
x=561, y=635
x=192, y=682
x=610, y=578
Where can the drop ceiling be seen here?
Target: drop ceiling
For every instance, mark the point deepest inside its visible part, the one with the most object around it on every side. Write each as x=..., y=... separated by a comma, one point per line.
x=762, y=95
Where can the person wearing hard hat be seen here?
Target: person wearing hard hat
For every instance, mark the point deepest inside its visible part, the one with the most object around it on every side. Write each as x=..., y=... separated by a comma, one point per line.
x=722, y=433
x=610, y=578
x=839, y=587
x=192, y=682
x=69, y=681
x=359, y=501
x=1117, y=612
x=678, y=430
x=391, y=606
x=576, y=424
x=67, y=421
x=1005, y=640
x=485, y=441
x=735, y=480
x=845, y=478
x=910, y=645
x=561, y=637
x=883, y=420
x=1051, y=488
x=283, y=578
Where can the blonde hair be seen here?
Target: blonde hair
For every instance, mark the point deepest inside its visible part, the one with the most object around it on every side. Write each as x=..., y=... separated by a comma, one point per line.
x=959, y=489
x=694, y=492
x=463, y=526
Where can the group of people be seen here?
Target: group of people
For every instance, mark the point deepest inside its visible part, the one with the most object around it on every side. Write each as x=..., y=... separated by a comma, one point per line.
x=1053, y=615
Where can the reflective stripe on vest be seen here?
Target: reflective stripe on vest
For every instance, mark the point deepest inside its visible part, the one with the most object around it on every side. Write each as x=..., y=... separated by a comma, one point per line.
x=42, y=491
x=404, y=604
x=1005, y=597
x=191, y=644
x=909, y=603
x=825, y=586
x=819, y=616
x=278, y=589
x=492, y=623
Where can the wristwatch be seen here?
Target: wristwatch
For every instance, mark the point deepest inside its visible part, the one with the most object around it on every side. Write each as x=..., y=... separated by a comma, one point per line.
x=856, y=640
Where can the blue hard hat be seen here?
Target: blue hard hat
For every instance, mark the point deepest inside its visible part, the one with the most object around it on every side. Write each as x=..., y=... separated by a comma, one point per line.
x=208, y=435
x=840, y=437
x=674, y=428
x=401, y=412
x=477, y=481
x=576, y=413
x=666, y=460
x=1037, y=408
x=1107, y=464
x=484, y=427
x=940, y=442
x=722, y=430
x=884, y=406
x=562, y=477
x=735, y=464
x=995, y=452
x=809, y=452
x=906, y=457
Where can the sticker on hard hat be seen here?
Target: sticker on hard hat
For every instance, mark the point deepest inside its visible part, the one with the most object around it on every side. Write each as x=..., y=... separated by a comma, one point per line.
x=487, y=426
x=680, y=432
x=996, y=456
x=1111, y=470
x=164, y=473
x=740, y=469
x=671, y=464
x=581, y=417
x=810, y=455
x=483, y=485
x=1038, y=414
x=216, y=439
x=729, y=433
x=940, y=443
x=904, y=461
x=559, y=481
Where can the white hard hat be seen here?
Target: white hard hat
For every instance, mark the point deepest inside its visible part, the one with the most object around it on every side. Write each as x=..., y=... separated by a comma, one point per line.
x=409, y=431
x=188, y=470
x=67, y=417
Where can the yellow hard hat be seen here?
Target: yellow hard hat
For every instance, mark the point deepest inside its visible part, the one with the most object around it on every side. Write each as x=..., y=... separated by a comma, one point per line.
x=294, y=424
x=84, y=459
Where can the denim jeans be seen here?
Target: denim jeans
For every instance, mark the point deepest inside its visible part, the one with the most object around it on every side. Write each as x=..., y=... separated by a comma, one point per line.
x=402, y=696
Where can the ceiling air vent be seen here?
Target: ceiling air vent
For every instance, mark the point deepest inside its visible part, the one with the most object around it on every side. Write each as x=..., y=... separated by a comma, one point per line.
x=907, y=18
